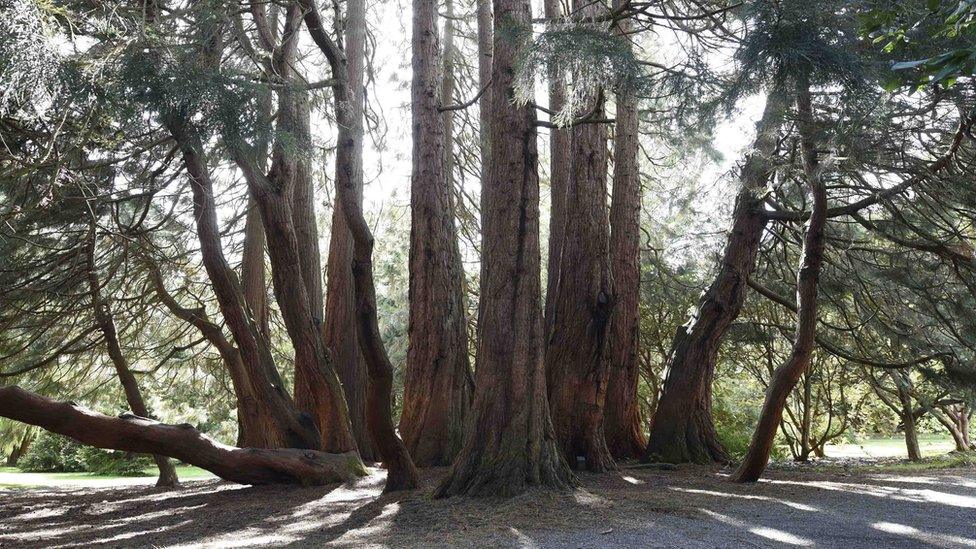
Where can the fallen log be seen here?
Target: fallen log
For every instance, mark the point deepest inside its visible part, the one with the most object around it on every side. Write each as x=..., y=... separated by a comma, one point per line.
x=131, y=433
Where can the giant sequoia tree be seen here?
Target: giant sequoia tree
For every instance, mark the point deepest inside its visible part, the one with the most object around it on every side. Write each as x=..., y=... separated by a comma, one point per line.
x=508, y=441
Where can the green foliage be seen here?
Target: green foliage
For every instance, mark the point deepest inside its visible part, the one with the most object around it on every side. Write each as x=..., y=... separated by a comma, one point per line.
x=114, y=463
x=937, y=37
x=52, y=453
x=586, y=56
x=816, y=39
x=29, y=62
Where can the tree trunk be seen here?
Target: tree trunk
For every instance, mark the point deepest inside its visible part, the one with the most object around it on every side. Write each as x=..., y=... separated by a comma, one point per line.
x=437, y=386
x=560, y=164
x=256, y=426
x=252, y=269
x=340, y=307
x=485, y=53
x=806, y=423
x=291, y=427
x=908, y=421
x=578, y=352
x=682, y=429
x=320, y=393
x=402, y=473
x=786, y=376
x=130, y=433
x=509, y=441
x=106, y=323
x=622, y=424
x=20, y=449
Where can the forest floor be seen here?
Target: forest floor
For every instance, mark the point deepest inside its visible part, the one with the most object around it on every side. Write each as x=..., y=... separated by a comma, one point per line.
x=834, y=506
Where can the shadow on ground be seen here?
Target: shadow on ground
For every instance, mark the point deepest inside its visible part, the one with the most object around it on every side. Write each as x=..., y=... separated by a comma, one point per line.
x=691, y=507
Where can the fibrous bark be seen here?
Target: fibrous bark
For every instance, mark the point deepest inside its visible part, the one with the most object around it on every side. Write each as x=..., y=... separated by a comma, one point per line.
x=787, y=375
x=623, y=428
x=293, y=428
x=509, y=442
x=340, y=303
x=436, y=391
x=130, y=433
x=578, y=346
x=682, y=429
x=402, y=474
x=560, y=164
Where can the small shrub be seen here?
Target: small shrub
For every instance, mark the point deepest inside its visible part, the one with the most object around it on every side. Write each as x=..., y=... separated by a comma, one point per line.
x=115, y=463
x=52, y=453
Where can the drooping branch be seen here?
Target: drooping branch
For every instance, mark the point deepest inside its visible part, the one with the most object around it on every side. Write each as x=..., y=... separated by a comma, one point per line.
x=130, y=433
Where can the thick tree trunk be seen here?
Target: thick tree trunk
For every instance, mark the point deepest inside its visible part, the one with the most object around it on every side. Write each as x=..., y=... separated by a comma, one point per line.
x=402, y=473
x=252, y=269
x=509, y=441
x=682, y=429
x=578, y=350
x=106, y=324
x=20, y=449
x=340, y=302
x=291, y=427
x=786, y=376
x=560, y=165
x=908, y=421
x=622, y=424
x=485, y=53
x=130, y=433
x=436, y=391
x=320, y=393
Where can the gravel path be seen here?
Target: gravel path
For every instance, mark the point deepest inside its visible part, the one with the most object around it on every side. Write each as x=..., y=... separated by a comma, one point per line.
x=690, y=507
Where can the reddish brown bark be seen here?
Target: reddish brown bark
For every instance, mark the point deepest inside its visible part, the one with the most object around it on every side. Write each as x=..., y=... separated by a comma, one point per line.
x=623, y=427
x=291, y=427
x=340, y=313
x=130, y=387
x=578, y=353
x=786, y=376
x=560, y=164
x=256, y=428
x=137, y=434
x=436, y=392
x=682, y=429
x=509, y=442
x=402, y=474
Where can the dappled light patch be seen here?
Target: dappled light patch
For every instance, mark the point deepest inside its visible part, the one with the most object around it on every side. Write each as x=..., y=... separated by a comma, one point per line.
x=902, y=494
x=766, y=532
x=792, y=504
x=938, y=539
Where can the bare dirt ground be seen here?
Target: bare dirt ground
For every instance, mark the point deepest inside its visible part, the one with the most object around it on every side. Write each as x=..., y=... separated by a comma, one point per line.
x=690, y=507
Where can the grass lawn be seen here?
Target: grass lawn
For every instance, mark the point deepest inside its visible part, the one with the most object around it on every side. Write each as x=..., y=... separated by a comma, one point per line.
x=891, y=447
x=11, y=477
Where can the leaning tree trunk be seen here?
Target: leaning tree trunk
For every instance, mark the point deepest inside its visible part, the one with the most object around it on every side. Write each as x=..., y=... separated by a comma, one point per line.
x=787, y=375
x=130, y=433
x=560, y=164
x=623, y=428
x=578, y=352
x=509, y=441
x=682, y=429
x=340, y=302
x=402, y=474
x=256, y=427
x=106, y=324
x=292, y=428
x=20, y=449
x=436, y=390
